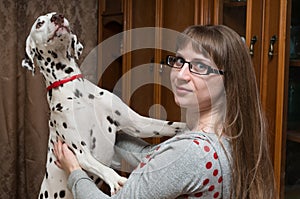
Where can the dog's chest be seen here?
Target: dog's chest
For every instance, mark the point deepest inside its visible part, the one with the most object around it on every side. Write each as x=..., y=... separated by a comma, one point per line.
x=74, y=118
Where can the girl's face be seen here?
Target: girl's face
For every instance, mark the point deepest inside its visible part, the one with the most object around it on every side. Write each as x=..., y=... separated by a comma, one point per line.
x=193, y=91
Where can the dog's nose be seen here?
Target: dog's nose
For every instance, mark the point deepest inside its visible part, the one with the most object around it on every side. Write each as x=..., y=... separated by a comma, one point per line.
x=58, y=19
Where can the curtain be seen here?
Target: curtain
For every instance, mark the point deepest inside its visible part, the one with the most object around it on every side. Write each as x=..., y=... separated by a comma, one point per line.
x=23, y=106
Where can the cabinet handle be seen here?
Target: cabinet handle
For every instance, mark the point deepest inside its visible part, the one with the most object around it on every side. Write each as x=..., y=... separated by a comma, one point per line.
x=271, y=48
x=152, y=64
x=252, y=42
x=161, y=66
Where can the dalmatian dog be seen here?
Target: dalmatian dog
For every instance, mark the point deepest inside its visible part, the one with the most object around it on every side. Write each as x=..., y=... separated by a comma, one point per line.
x=82, y=115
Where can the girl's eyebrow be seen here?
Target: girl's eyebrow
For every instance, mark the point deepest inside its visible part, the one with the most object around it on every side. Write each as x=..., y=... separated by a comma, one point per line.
x=178, y=54
x=203, y=60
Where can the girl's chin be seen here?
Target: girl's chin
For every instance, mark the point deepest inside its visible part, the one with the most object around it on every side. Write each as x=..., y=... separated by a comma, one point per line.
x=188, y=104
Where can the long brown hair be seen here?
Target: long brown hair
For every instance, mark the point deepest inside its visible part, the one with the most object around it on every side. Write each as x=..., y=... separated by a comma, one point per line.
x=244, y=123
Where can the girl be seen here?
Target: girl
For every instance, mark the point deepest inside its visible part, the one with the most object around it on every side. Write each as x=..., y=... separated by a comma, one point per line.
x=222, y=154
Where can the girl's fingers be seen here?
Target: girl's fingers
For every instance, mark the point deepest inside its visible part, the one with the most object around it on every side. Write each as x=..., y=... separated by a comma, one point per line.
x=58, y=164
x=58, y=150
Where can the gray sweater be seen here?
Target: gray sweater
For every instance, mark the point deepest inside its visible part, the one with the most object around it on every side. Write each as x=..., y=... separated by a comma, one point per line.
x=189, y=165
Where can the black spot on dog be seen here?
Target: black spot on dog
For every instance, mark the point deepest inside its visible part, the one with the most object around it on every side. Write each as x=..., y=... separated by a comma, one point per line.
x=155, y=133
x=116, y=123
x=55, y=195
x=50, y=93
x=54, y=55
x=101, y=93
x=59, y=107
x=73, y=43
x=68, y=55
x=46, y=194
x=93, y=143
x=170, y=123
x=178, y=131
x=65, y=125
x=74, y=146
x=71, y=149
x=91, y=96
x=62, y=193
x=40, y=57
x=60, y=66
x=77, y=93
x=53, y=75
x=109, y=129
x=111, y=121
x=118, y=113
x=69, y=70
x=83, y=143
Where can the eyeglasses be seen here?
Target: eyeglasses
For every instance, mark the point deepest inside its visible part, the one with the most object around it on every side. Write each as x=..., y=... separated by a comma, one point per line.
x=194, y=66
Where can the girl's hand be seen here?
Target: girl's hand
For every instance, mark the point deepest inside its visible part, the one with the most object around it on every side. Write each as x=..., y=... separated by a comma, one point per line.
x=66, y=160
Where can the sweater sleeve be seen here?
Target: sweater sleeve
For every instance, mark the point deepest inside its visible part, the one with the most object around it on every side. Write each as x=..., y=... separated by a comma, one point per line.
x=169, y=171
x=130, y=149
x=82, y=187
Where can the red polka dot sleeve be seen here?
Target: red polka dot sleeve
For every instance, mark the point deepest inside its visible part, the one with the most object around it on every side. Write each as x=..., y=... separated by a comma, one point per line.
x=185, y=166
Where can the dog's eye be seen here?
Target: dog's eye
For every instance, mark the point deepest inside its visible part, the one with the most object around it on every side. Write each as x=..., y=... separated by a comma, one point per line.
x=39, y=24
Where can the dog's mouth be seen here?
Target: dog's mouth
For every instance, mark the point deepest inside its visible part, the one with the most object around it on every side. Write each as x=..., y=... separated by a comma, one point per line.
x=59, y=31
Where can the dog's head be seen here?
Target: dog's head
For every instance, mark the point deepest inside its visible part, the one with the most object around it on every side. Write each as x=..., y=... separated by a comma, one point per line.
x=50, y=32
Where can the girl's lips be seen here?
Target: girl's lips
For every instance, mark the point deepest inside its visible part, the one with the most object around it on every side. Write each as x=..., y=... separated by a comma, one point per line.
x=183, y=89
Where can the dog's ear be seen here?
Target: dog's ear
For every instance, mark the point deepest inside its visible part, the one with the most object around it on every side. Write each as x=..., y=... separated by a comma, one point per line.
x=28, y=62
x=76, y=46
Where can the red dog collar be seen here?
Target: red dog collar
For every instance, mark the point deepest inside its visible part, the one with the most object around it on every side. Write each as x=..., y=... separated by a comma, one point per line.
x=63, y=81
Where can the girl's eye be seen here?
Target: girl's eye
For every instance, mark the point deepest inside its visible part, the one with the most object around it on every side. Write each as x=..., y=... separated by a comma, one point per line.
x=39, y=24
x=180, y=60
x=200, y=65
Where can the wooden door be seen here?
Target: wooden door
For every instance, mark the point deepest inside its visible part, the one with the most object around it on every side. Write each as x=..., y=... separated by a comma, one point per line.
x=176, y=16
x=139, y=60
x=263, y=24
x=274, y=80
x=146, y=85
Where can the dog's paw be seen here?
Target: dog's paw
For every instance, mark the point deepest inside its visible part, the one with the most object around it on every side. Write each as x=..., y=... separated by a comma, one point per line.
x=117, y=185
x=114, y=181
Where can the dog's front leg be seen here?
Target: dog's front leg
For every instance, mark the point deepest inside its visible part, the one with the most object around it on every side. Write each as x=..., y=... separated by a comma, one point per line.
x=108, y=175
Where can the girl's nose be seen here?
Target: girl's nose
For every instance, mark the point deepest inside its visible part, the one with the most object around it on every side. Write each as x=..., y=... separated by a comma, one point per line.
x=184, y=72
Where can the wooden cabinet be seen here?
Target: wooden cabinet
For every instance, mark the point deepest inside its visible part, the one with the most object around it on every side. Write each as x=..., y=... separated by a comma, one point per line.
x=292, y=163
x=265, y=26
x=144, y=79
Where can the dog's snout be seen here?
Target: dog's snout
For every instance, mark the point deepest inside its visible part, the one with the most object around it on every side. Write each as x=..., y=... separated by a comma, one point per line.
x=58, y=19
